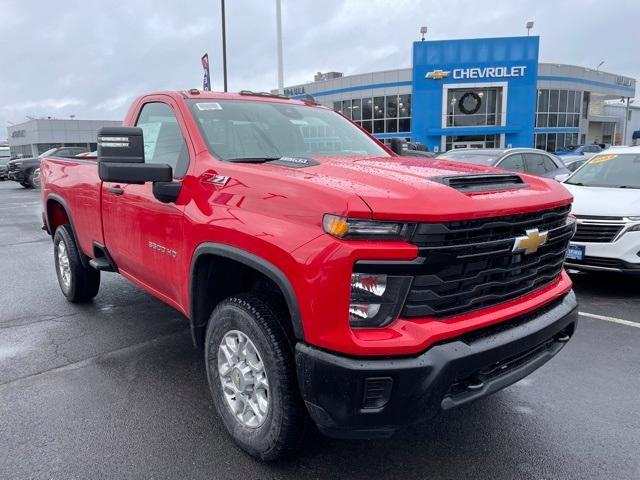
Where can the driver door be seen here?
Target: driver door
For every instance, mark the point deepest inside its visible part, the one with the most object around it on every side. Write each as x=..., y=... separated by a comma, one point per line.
x=143, y=235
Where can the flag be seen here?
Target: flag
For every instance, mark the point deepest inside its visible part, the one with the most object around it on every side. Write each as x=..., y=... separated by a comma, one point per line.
x=206, y=82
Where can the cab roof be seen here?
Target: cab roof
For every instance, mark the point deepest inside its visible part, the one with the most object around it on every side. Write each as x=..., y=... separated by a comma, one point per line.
x=196, y=94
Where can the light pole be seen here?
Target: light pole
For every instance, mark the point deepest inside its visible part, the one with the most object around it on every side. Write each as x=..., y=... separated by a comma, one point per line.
x=529, y=26
x=224, y=46
x=423, y=31
x=626, y=120
x=279, y=47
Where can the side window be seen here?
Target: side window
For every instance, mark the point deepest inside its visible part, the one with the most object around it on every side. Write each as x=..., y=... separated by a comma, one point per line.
x=539, y=164
x=513, y=162
x=163, y=140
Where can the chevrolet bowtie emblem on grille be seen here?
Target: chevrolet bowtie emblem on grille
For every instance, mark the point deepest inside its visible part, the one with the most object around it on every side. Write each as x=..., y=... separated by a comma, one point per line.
x=437, y=74
x=531, y=242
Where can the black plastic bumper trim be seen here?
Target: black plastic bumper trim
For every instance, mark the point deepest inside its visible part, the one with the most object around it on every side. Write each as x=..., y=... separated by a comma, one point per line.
x=445, y=376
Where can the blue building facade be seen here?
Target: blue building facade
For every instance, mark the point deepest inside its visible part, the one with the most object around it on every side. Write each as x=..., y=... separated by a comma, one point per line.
x=479, y=92
x=488, y=92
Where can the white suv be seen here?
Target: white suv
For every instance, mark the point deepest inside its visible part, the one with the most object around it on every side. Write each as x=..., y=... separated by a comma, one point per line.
x=606, y=204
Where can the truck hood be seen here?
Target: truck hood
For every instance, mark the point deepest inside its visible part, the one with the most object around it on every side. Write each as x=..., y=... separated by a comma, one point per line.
x=406, y=188
x=605, y=202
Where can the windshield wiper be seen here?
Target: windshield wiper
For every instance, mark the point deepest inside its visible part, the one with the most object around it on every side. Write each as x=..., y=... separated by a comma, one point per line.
x=627, y=186
x=253, y=159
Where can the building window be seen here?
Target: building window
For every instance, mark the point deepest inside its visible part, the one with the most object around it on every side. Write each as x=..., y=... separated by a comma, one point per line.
x=356, y=109
x=384, y=114
x=558, y=108
x=552, y=142
x=367, y=109
x=346, y=108
x=471, y=107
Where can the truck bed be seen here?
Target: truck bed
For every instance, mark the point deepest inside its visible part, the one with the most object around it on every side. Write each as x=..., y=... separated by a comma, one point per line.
x=80, y=174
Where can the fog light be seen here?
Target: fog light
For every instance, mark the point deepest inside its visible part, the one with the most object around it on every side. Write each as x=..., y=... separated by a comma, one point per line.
x=366, y=311
x=365, y=282
x=376, y=299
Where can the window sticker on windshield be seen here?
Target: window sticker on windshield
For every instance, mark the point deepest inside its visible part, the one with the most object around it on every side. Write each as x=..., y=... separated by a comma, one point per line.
x=209, y=106
x=299, y=122
x=602, y=159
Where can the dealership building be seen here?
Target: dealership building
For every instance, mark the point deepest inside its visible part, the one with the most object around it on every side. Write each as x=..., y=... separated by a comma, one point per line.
x=36, y=136
x=490, y=92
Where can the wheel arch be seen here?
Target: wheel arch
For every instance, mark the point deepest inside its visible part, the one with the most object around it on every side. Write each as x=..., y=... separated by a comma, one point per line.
x=200, y=309
x=55, y=213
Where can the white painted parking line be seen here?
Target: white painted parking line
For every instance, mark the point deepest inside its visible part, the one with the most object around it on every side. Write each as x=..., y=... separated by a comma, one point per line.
x=620, y=321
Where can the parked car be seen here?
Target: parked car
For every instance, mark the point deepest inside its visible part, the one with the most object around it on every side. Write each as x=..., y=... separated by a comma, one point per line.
x=26, y=171
x=5, y=156
x=414, y=149
x=326, y=278
x=573, y=163
x=606, y=194
x=587, y=150
x=527, y=160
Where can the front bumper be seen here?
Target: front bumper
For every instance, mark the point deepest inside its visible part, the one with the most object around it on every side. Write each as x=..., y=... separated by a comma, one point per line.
x=365, y=398
x=16, y=175
x=622, y=255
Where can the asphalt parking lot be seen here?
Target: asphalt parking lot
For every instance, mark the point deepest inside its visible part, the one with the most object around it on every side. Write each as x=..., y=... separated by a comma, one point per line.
x=114, y=389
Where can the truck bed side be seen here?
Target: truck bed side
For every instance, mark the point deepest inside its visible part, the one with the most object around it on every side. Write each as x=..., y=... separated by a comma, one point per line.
x=75, y=185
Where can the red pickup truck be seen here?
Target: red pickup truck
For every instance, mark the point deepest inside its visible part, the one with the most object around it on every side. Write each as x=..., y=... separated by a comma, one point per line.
x=328, y=279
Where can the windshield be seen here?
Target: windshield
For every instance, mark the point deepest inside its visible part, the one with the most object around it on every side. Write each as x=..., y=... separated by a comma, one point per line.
x=237, y=130
x=48, y=152
x=5, y=155
x=621, y=170
x=477, y=158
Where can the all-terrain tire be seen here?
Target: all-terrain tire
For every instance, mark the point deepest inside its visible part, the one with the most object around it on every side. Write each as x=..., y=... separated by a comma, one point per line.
x=78, y=283
x=285, y=422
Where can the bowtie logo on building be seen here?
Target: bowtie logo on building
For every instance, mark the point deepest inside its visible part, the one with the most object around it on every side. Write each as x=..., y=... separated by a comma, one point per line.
x=437, y=74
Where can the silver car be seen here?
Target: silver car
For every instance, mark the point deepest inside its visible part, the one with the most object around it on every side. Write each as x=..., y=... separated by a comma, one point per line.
x=526, y=160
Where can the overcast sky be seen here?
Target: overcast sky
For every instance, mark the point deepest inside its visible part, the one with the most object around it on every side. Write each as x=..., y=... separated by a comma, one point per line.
x=89, y=58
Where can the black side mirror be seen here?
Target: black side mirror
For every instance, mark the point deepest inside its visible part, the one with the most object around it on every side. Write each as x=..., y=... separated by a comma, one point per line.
x=121, y=158
x=396, y=145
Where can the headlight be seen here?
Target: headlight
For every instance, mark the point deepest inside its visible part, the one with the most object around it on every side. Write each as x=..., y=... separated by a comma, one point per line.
x=634, y=219
x=635, y=228
x=376, y=299
x=356, y=228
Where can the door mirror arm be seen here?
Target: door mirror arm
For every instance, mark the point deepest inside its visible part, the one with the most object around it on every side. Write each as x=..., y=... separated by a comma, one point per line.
x=166, y=192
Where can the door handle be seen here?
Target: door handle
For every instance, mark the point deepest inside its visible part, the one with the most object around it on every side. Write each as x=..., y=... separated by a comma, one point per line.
x=116, y=190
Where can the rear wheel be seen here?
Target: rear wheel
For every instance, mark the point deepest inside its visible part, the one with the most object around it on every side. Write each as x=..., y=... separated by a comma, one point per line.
x=77, y=282
x=251, y=373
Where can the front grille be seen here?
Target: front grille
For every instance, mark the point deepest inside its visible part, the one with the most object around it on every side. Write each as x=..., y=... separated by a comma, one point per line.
x=12, y=168
x=599, y=262
x=469, y=265
x=597, y=232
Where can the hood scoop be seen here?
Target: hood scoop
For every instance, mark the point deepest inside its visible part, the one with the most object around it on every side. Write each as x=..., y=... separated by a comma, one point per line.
x=482, y=182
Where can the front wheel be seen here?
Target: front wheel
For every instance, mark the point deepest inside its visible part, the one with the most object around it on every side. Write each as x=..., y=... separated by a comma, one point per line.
x=251, y=373
x=77, y=282
x=33, y=178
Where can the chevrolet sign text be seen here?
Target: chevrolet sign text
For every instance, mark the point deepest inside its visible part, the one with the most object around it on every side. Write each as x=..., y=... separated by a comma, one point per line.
x=489, y=72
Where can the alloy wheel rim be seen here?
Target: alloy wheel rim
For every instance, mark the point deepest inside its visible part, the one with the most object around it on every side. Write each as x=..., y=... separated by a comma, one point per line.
x=63, y=265
x=36, y=177
x=243, y=379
